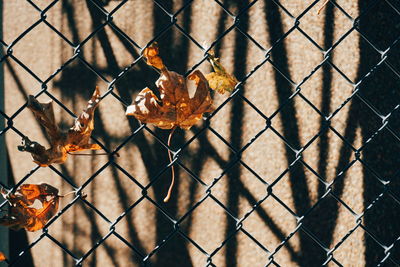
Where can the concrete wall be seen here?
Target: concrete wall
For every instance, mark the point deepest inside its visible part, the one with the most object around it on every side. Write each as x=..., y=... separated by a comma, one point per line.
x=143, y=157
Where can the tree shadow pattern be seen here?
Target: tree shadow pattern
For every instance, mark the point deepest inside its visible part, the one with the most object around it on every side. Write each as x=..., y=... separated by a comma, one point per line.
x=376, y=90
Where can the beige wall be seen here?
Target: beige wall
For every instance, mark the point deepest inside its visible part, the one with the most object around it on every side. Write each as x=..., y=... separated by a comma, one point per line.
x=79, y=228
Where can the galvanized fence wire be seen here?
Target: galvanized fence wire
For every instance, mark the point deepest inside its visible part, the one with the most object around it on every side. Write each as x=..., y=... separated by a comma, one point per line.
x=237, y=93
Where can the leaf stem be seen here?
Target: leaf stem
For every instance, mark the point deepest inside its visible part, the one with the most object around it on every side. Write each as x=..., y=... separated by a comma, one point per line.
x=171, y=186
x=69, y=193
x=72, y=192
x=88, y=154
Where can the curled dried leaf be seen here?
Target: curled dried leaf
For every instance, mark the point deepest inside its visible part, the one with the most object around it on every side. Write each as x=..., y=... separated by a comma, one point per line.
x=220, y=80
x=76, y=139
x=152, y=57
x=2, y=256
x=22, y=214
x=175, y=107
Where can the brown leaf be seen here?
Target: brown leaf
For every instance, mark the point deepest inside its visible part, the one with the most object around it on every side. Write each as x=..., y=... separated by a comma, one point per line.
x=220, y=80
x=22, y=215
x=2, y=256
x=152, y=57
x=76, y=139
x=175, y=107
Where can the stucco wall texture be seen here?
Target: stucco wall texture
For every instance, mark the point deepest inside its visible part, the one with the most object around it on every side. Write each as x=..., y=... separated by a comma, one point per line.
x=143, y=157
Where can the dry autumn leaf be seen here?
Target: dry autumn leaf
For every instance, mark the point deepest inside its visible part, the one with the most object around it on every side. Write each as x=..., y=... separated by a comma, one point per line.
x=22, y=214
x=76, y=139
x=2, y=256
x=220, y=80
x=174, y=108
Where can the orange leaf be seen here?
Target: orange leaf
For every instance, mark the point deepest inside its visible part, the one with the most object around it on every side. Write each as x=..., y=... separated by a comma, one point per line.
x=76, y=139
x=2, y=256
x=153, y=59
x=175, y=107
x=22, y=215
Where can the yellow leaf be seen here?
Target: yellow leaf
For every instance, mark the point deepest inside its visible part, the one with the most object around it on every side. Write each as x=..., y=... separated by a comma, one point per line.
x=220, y=80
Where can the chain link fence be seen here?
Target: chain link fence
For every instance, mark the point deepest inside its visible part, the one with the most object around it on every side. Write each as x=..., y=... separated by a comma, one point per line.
x=313, y=220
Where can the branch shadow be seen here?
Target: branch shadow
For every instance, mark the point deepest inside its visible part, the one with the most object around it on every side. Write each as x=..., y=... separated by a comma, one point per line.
x=71, y=82
x=174, y=253
x=235, y=129
x=175, y=55
x=299, y=187
x=382, y=153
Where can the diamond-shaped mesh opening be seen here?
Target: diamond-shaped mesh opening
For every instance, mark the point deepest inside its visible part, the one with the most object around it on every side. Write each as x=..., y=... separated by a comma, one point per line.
x=210, y=239
x=345, y=220
x=114, y=250
x=142, y=237
x=324, y=36
x=353, y=243
x=121, y=196
x=95, y=229
x=105, y=62
x=18, y=10
x=383, y=36
x=327, y=88
x=387, y=91
x=212, y=14
x=244, y=189
x=376, y=215
x=382, y=170
x=270, y=169
x=298, y=167
x=61, y=17
x=344, y=185
x=43, y=49
x=86, y=80
x=342, y=122
x=302, y=68
x=291, y=186
x=253, y=253
x=348, y=44
x=274, y=225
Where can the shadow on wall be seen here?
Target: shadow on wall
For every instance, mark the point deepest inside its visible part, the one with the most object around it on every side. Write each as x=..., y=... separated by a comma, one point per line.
x=381, y=154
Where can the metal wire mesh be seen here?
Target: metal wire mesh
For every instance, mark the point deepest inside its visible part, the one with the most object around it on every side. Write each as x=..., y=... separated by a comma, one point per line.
x=294, y=151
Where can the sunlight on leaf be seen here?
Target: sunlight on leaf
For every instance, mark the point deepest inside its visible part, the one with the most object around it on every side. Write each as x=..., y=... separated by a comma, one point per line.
x=174, y=108
x=22, y=214
x=220, y=80
x=76, y=139
x=152, y=57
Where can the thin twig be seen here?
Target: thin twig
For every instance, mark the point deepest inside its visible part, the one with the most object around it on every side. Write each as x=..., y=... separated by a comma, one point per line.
x=171, y=186
x=322, y=7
